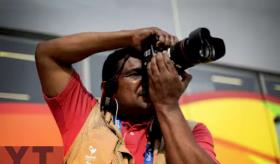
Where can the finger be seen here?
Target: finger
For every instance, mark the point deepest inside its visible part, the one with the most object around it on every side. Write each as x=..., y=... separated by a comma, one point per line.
x=164, y=38
x=168, y=39
x=152, y=82
x=154, y=67
x=169, y=63
x=162, y=35
x=174, y=40
x=149, y=69
x=152, y=78
x=186, y=78
x=160, y=61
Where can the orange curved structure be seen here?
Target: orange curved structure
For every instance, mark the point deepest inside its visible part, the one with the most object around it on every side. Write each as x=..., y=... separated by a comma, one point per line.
x=29, y=134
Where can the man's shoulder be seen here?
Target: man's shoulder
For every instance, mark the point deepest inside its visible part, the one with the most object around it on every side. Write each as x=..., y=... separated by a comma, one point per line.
x=198, y=128
x=191, y=123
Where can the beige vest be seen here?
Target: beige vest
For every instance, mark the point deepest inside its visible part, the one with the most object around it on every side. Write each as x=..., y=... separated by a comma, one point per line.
x=100, y=142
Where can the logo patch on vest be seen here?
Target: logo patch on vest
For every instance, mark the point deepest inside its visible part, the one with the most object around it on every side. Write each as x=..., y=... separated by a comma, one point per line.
x=89, y=158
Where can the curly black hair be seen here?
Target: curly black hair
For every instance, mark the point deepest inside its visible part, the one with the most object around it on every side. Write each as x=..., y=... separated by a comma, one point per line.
x=112, y=65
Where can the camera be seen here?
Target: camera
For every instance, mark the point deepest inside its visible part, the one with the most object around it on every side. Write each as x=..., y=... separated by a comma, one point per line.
x=198, y=48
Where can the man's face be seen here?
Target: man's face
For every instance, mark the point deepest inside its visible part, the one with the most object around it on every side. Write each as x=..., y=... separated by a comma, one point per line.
x=129, y=94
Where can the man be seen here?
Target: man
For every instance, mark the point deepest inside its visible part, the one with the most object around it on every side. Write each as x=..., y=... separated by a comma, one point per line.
x=134, y=124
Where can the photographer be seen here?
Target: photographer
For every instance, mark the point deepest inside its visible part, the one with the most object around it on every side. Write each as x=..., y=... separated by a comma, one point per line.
x=131, y=123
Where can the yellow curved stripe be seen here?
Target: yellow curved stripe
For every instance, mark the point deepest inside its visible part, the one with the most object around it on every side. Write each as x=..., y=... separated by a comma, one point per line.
x=243, y=121
x=258, y=160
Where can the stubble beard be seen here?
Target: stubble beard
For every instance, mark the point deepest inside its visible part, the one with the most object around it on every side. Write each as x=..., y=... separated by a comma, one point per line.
x=141, y=111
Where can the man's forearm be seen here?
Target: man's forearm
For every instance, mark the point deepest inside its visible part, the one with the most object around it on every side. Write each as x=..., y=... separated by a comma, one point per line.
x=74, y=48
x=180, y=145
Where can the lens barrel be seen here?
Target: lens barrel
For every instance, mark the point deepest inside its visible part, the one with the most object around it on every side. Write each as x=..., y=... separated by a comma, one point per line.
x=198, y=48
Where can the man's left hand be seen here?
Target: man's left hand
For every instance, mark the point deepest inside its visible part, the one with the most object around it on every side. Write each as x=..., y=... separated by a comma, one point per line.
x=165, y=84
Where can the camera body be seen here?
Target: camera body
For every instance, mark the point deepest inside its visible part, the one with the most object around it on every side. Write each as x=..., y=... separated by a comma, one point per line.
x=198, y=48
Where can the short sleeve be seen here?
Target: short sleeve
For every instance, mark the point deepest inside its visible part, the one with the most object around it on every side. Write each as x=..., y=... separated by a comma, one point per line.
x=204, y=138
x=71, y=108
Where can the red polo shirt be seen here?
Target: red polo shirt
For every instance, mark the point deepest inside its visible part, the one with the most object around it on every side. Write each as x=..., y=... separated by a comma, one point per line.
x=73, y=105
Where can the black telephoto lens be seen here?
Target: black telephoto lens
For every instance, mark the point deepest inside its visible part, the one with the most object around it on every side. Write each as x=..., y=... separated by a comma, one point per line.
x=199, y=47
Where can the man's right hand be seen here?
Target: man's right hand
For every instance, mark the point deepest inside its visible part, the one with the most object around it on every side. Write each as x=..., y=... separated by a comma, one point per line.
x=141, y=34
